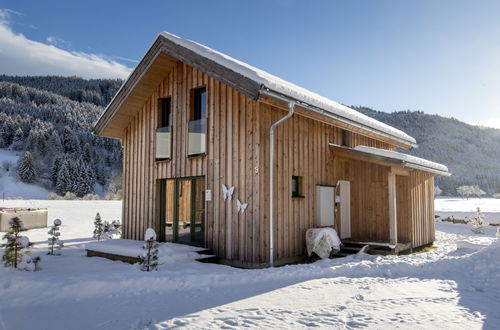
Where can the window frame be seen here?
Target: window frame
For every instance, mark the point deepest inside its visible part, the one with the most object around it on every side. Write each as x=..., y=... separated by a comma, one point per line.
x=195, y=101
x=298, y=192
x=159, y=124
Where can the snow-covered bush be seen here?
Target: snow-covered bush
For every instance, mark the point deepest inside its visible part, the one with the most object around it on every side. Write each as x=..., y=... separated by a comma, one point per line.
x=91, y=197
x=29, y=263
x=98, y=226
x=477, y=222
x=478, y=192
x=149, y=257
x=467, y=191
x=437, y=191
x=464, y=191
x=69, y=196
x=53, y=196
x=55, y=244
x=15, y=243
x=6, y=166
x=496, y=195
x=112, y=230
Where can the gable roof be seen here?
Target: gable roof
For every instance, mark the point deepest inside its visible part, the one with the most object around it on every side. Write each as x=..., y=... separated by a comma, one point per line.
x=238, y=75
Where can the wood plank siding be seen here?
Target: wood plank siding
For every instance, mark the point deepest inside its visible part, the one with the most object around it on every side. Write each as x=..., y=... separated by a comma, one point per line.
x=238, y=155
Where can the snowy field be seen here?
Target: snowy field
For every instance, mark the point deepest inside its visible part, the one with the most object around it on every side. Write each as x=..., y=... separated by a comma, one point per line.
x=455, y=286
x=465, y=208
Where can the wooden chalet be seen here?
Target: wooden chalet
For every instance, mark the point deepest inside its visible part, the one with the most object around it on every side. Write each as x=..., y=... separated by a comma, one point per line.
x=223, y=155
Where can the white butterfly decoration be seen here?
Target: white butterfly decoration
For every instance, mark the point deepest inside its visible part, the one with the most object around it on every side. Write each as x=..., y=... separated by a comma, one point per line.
x=228, y=192
x=241, y=206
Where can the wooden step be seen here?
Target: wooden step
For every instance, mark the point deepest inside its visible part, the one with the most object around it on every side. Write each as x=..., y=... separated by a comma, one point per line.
x=209, y=259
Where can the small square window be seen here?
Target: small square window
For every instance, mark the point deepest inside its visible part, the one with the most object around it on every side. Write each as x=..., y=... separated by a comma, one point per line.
x=297, y=186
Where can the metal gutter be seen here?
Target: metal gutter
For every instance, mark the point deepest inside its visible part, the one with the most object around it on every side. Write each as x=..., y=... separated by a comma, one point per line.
x=291, y=108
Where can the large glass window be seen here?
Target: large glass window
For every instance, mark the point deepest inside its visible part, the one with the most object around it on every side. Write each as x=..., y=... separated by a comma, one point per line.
x=197, y=125
x=164, y=130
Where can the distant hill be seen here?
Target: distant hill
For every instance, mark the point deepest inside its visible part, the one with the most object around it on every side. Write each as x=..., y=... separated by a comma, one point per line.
x=472, y=153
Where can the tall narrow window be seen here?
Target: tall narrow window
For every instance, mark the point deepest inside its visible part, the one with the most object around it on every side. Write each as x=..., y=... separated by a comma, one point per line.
x=197, y=123
x=199, y=109
x=164, y=130
x=165, y=113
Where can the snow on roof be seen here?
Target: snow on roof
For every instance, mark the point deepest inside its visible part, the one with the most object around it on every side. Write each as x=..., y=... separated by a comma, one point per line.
x=411, y=160
x=276, y=84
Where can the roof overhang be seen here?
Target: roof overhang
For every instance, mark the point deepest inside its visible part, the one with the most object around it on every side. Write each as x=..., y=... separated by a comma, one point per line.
x=391, y=158
x=167, y=50
x=159, y=60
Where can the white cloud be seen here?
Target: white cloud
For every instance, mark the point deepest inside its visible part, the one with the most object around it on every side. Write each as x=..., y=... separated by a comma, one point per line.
x=21, y=56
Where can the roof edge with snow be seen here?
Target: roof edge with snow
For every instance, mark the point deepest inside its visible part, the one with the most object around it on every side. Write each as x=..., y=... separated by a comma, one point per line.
x=244, y=78
x=399, y=158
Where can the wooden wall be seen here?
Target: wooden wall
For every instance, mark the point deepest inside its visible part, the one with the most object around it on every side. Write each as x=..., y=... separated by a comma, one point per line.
x=237, y=155
x=422, y=208
x=403, y=207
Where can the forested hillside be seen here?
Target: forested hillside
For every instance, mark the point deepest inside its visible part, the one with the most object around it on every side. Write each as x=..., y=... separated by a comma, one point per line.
x=97, y=91
x=52, y=117
x=53, y=132
x=472, y=153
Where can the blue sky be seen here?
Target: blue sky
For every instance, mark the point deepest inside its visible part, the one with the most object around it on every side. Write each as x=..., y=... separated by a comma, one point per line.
x=435, y=56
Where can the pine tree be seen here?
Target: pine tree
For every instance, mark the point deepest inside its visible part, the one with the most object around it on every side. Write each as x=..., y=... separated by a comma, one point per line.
x=54, y=144
x=63, y=178
x=149, y=257
x=98, y=226
x=56, y=166
x=18, y=140
x=25, y=168
x=15, y=243
x=54, y=241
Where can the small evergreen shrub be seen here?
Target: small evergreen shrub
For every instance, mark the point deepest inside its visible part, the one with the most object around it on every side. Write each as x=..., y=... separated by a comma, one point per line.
x=98, y=226
x=477, y=222
x=15, y=243
x=112, y=230
x=55, y=244
x=149, y=257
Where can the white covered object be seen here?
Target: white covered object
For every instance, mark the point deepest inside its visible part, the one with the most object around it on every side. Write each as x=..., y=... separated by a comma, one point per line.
x=322, y=241
x=150, y=234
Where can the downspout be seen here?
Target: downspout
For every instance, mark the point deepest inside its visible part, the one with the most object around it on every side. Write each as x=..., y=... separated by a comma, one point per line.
x=291, y=108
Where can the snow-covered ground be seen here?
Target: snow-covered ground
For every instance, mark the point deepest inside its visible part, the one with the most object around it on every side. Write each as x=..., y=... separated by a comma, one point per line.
x=10, y=187
x=455, y=286
x=461, y=208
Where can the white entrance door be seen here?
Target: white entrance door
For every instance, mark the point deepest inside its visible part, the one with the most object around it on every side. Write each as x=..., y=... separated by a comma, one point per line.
x=343, y=197
x=325, y=205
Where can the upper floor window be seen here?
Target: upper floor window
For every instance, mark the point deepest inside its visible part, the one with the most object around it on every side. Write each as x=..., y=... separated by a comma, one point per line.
x=164, y=129
x=165, y=113
x=199, y=108
x=197, y=124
